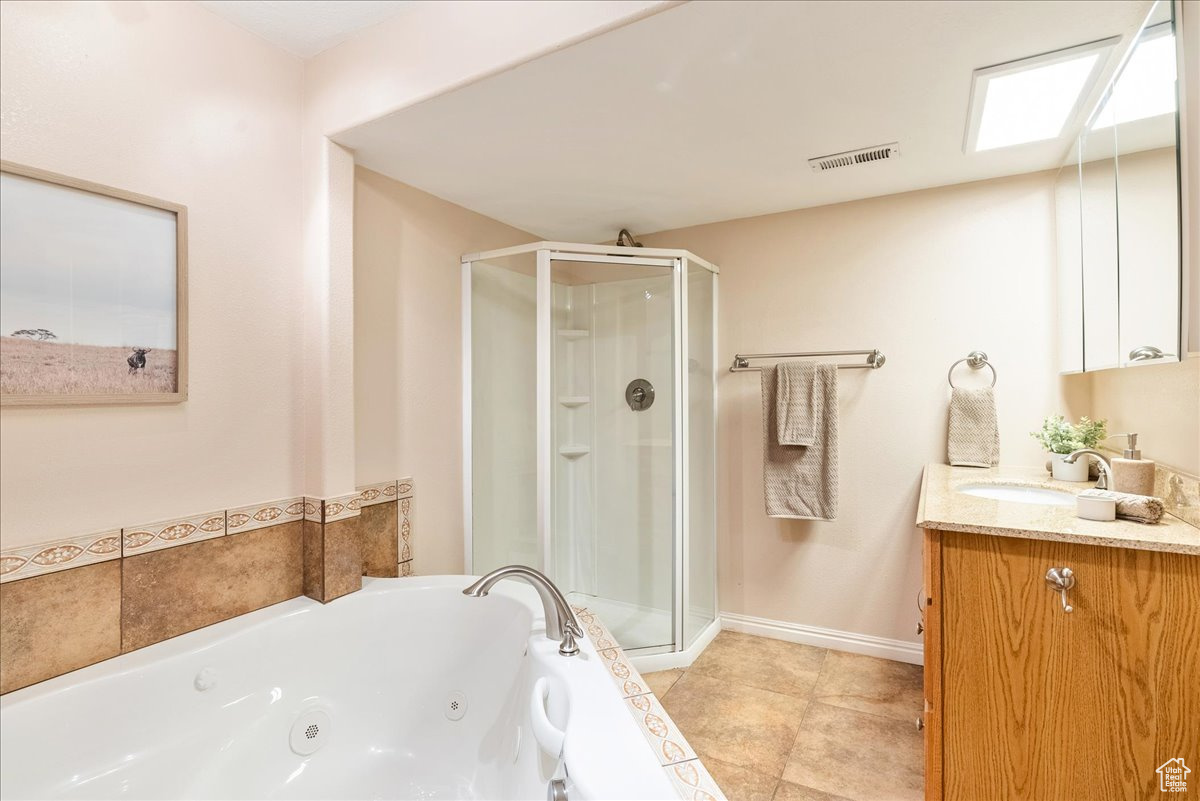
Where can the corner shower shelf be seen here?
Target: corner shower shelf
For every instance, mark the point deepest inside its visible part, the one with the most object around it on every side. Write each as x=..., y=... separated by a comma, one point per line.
x=571, y=401
x=574, y=451
x=573, y=333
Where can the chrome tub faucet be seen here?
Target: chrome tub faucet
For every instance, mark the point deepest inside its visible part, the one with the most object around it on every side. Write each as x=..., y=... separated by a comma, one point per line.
x=561, y=623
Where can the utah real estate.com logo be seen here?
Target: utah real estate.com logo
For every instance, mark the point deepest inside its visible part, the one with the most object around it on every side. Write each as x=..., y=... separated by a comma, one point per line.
x=1172, y=776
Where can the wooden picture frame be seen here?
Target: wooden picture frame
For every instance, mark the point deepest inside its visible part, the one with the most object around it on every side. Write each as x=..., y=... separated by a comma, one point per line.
x=91, y=371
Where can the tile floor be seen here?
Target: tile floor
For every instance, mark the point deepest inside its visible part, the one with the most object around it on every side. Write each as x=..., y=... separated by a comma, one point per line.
x=778, y=721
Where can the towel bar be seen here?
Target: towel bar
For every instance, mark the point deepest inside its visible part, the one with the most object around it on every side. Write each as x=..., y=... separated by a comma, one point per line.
x=875, y=359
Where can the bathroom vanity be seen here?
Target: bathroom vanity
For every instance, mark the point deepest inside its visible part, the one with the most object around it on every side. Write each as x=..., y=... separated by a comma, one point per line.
x=1062, y=655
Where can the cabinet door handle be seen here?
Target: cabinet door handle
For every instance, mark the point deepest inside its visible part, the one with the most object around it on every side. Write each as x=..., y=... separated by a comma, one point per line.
x=1061, y=579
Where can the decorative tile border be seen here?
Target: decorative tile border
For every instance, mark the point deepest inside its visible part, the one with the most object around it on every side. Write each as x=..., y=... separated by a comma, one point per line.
x=169, y=533
x=261, y=515
x=340, y=508
x=693, y=782
x=372, y=494
x=313, y=509
x=683, y=767
x=623, y=674
x=405, y=508
x=660, y=731
x=49, y=557
x=406, y=569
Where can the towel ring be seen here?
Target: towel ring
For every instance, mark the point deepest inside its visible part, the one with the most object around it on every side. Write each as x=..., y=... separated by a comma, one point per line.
x=976, y=359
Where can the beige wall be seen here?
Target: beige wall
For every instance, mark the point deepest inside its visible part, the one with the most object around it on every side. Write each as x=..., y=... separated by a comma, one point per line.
x=408, y=350
x=168, y=100
x=1160, y=402
x=426, y=49
x=926, y=277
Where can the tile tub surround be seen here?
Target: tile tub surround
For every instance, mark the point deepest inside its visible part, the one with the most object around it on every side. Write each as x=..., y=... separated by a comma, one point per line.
x=791, y=722
x=183, y=589
x=56, y=623
x=942, y=507
x=683, y=767
x=378, y=526
x=73, y=602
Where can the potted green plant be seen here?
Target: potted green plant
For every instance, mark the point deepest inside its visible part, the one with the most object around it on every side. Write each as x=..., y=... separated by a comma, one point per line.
x=1060, y=437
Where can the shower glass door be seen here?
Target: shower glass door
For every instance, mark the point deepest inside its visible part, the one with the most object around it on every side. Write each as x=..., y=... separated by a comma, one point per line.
x=612, y=386
x=500, y=410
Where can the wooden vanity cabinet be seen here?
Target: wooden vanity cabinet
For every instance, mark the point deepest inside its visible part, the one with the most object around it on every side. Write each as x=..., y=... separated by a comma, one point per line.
x=1025, y=700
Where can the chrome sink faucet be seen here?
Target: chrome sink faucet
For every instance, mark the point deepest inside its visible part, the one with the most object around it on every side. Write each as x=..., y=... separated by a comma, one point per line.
x=561, y=623
x=1105, y=481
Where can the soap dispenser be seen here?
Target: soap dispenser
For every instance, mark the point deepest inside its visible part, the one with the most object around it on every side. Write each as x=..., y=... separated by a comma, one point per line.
x=1130, y=472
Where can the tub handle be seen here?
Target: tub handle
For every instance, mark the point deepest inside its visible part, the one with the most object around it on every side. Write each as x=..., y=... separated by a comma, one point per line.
x=549, y=737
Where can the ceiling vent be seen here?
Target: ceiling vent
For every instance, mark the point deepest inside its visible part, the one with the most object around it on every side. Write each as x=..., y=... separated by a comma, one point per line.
x=849, y=158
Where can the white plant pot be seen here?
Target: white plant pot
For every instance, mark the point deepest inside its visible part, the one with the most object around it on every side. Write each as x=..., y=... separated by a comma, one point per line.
x=1069, y=472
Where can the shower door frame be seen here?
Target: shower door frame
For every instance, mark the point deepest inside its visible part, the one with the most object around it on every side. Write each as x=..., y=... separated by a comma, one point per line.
x=546, y=253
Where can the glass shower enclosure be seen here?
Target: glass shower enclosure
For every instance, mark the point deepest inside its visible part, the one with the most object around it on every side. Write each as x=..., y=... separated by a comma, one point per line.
x=589, y=430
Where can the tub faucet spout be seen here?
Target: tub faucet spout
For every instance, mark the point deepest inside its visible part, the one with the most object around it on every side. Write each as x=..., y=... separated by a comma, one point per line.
x=561, y=623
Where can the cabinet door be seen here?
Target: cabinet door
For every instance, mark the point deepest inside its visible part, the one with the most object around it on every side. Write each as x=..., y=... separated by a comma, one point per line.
x=1040, y=703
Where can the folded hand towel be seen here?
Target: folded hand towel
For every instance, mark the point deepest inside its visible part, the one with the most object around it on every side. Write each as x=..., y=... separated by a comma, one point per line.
x=1142, y=508
x=801, y=481
x=799, y=403
x=974, y=436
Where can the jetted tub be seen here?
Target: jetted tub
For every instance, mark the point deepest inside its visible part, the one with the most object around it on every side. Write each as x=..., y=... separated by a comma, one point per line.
x=406, y=689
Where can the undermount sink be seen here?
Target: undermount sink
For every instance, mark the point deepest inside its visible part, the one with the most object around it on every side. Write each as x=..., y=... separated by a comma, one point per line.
x=1005, y=492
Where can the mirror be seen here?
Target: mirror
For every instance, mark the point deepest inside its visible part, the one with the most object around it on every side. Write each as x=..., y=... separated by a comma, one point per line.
x=1118, y=216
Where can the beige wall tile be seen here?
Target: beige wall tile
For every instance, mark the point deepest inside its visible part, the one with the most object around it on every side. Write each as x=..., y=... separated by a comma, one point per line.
x=177, y=590
x=314, y=559
x=59, y=622
x=378, y=526
x=343, y=558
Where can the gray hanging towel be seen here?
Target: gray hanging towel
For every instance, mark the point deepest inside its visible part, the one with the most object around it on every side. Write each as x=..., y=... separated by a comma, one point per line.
x=974, y=436
x=800, y=440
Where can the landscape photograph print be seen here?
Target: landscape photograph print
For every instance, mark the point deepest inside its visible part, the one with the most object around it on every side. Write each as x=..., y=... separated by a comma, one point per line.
x=92, y=291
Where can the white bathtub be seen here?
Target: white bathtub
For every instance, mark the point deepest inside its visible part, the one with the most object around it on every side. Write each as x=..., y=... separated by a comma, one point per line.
x=369, y=679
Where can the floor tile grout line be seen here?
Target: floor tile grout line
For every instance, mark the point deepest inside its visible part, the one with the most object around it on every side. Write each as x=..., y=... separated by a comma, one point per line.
x=862, y=711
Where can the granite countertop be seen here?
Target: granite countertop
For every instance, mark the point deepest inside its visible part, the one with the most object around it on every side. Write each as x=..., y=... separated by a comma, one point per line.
x=942, y=507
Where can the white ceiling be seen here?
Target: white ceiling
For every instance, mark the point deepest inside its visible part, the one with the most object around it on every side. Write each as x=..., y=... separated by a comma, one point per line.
x=709, y=111
x=305, y=27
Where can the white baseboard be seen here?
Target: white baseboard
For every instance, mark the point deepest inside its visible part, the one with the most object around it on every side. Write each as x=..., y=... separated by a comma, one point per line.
x=897, y=650
x=649, y=663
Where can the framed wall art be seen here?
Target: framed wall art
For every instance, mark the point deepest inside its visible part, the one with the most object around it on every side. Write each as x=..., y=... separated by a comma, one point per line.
x=93, y=293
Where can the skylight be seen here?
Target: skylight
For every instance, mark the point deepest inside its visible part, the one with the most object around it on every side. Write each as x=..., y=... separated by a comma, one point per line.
x=1146, y=87
x=1032, y=100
